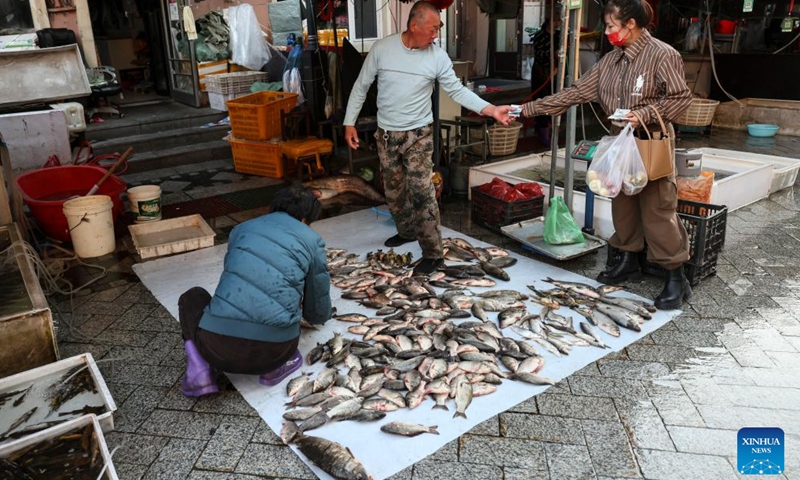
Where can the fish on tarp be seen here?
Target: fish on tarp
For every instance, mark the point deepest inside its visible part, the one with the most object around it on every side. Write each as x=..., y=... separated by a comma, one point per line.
x=335, y=459
x=342, y=184
x=408, y=429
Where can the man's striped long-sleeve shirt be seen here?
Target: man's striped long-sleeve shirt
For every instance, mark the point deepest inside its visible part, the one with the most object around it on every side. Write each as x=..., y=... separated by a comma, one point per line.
x=647, y=73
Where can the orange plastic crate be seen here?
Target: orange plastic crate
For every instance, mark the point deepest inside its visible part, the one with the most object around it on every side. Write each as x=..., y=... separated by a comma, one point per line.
x=258, y=116
x=257, y=158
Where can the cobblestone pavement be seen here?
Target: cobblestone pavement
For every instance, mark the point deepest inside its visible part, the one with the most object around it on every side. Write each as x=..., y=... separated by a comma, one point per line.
x=666, y=407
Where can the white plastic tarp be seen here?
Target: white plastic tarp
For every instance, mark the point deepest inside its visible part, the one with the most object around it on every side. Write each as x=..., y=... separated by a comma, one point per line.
x=362, y=232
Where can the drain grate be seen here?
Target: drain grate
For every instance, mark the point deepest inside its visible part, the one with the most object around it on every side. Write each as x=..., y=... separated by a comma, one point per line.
x=210, y=207
x=253, y=198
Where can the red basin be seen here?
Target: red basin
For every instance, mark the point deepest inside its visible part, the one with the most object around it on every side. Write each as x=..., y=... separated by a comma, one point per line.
x=45, y=191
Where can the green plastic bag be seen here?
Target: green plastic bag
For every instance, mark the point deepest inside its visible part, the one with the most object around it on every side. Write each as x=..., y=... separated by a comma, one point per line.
x=559, y=226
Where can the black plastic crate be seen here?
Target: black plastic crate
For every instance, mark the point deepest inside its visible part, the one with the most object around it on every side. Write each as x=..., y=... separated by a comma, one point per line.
x=494, y=213
x=693, y=273
x=705, y=225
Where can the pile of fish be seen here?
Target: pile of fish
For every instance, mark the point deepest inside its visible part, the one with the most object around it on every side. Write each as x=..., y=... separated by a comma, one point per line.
x=422, y=344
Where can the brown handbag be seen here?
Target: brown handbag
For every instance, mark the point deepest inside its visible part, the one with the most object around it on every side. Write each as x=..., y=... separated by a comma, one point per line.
x=657, y=154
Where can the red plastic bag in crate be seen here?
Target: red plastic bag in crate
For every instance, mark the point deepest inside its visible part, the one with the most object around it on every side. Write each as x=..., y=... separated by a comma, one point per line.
x=499, y=189
x=530, y=189
x=496, y=188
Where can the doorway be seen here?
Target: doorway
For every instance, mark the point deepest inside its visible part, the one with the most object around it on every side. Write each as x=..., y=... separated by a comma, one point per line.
x=505, y=41
x=180, y=54
x=128, y=36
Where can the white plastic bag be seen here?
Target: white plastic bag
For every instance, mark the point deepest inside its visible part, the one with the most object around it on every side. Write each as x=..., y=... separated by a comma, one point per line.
x=248, y=46
x=617, y=166
x=293, y=83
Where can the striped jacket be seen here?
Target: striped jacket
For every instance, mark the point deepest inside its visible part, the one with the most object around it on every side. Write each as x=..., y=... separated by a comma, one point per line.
x=648, y=73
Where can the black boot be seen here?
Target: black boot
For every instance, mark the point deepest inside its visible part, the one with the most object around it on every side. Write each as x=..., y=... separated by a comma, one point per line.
x=426, y=266
x=626, y=269
x=398, y=240
x=676, y=290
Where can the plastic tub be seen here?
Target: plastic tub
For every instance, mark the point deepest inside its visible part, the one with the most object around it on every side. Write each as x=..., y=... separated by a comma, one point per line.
x=145, y=201
x=762, y=129
x=45, y=191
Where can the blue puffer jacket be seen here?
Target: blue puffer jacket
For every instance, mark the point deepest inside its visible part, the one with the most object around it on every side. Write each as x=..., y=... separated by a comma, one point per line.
x=275, y=273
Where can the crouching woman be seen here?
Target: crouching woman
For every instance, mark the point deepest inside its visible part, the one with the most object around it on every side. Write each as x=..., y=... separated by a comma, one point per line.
x=275, y=273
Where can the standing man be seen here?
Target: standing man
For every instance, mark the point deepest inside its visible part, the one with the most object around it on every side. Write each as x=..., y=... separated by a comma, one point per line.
x=406, y=65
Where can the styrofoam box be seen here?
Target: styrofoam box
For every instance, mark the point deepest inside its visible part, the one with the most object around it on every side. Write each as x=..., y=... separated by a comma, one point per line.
x=41, y=378
x=744, y=182
x=175, y=235
x=785, y=169
x=219, y=101
x=71, y=425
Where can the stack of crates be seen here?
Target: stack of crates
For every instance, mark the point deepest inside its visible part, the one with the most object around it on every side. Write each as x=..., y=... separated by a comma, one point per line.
x=227, y=86
x=256, y=131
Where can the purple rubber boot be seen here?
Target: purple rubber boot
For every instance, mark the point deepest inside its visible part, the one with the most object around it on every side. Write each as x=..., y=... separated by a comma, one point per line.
x=200, y=379
x=276, y=376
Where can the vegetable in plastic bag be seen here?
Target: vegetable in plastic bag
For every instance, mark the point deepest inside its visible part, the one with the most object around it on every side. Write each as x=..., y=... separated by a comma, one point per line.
x=617, y=166
x=559, y=226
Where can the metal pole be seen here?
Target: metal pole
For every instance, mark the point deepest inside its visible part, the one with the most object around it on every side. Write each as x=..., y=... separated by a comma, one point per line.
x=312, y=68
x=556, y=120
x=572, y=113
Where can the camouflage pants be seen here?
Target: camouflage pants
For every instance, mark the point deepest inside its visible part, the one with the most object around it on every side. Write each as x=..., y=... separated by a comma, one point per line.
x=407, y=166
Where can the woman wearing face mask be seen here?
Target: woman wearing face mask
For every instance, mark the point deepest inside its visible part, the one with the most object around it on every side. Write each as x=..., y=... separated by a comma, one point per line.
x=641, y=74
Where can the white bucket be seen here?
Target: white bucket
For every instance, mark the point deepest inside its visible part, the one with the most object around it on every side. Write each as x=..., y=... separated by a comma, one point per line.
x=145, y=202
x=91, y=225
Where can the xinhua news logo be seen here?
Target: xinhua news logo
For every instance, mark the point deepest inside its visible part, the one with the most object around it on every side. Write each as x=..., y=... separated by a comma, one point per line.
x=760, y=451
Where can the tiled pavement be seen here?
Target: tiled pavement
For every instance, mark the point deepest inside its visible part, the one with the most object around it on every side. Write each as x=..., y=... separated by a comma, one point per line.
x=666, y=407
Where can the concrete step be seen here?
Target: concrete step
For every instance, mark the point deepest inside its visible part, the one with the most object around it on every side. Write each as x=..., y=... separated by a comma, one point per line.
x=163, y=140
x=184, y=154
x=154, y=119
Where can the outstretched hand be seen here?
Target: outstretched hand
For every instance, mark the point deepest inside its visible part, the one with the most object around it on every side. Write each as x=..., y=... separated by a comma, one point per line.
x=501, y=113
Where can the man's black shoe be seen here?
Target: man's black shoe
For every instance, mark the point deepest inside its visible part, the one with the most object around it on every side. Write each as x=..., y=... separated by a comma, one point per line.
x=427, y=266
x=397, y=240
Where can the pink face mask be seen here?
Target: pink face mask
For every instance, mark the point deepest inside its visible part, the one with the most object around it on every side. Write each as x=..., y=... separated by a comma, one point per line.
x=616, y=39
